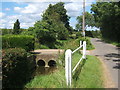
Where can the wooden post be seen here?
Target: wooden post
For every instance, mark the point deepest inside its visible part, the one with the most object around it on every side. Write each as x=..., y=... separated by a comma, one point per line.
x=83, y=26
x=68, y=71
x=80, y=43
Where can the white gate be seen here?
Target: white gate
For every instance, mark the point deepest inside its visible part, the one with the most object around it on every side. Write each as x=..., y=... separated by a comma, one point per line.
x=68, y=60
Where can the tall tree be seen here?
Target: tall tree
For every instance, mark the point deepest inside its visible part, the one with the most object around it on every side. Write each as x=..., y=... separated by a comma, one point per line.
x=16, y=28
x=89, y=21
x=61, y=11
x=107, y=17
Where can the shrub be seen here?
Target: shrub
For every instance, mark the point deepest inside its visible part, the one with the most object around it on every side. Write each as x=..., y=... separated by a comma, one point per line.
x=6, y=31
x=88, y=43
x=18, y=41
x=16, y=67
x=78, y=34
x=43, y=47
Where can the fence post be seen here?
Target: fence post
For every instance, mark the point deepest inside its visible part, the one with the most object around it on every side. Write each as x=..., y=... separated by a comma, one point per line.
x=80, y=43
x=84, y=49
x=68, y=71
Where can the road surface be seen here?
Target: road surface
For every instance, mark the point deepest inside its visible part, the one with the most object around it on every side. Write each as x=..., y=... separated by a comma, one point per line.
x=110, y=57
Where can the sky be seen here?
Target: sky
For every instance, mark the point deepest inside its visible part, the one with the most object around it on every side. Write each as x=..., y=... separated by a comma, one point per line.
x=28, y=12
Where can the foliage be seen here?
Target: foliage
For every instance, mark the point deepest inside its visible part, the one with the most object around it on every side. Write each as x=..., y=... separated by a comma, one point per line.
x=59, y=9
x=16, y=28
x=94, y=34
x=74, y=43
x=78, y=34
x=89, y=45
x=89, y=21
x=17, y=69
x=29, y=31
x=106, y=16
x=6, y=31
x=20, y=41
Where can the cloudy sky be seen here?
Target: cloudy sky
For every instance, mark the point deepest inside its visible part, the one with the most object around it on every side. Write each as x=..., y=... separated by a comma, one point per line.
x=28, y=12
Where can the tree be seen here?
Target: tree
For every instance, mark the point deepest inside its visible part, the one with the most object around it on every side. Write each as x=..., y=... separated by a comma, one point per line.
x=16, y=28
x=106, y=16
x=62, y=13
x=89, y=21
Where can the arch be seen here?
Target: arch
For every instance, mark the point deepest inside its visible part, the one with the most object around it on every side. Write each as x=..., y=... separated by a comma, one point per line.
x=41, y=62
x=52, y=63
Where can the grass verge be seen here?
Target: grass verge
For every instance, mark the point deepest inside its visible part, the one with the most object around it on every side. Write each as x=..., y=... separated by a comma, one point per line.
x=111, y=42
x=88, y=74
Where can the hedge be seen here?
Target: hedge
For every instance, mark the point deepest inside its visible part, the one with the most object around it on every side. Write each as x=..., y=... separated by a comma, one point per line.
x=18, y=41
x=17, y=67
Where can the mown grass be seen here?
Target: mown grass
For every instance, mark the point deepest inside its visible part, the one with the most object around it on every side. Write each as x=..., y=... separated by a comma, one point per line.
x=88, y=74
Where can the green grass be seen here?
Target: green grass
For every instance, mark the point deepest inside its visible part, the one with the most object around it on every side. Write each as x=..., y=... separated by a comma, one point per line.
x=87, y=75
x=111, y=42
x=53, y=80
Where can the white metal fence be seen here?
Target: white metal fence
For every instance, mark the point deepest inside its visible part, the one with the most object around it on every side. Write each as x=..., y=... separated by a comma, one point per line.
x=68, y=62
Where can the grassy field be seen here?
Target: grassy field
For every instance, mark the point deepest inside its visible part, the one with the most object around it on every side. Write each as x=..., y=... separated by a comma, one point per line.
x=87, y=75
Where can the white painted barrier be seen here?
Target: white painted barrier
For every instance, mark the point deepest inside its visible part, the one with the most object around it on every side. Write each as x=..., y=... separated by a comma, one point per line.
x=68, y=60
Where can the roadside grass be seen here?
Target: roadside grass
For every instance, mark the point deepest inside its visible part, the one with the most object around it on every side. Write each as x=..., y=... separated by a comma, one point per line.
x=111, y=42
x=87, y=75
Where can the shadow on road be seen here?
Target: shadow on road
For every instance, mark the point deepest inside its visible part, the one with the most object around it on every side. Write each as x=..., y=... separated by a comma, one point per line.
x=99, y=41
x=116, y=59
x=117, y=66
x=115, y=55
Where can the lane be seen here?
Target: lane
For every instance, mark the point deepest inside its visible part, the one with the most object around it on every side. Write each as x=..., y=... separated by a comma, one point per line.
x=110, y=56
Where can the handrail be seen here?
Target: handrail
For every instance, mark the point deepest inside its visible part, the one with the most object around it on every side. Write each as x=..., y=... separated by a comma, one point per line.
x=68, y=63
x=76, y=49
x=77, y=64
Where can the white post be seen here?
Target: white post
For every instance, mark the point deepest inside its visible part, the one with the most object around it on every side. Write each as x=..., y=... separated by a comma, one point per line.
x=84, y=49
x=80, y=43
x=68, y=71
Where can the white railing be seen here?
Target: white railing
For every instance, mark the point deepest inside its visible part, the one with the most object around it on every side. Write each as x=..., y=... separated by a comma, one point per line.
x=68, y=62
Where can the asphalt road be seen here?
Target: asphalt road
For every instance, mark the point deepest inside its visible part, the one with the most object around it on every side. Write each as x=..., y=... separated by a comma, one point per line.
x=110, y=56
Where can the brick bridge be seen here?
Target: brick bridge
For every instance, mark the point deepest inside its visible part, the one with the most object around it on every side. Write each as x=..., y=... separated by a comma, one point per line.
x=47, y=57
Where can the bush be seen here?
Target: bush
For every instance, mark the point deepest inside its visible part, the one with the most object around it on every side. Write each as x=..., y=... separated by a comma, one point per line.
x=18, y=41
x=16, y=67
x=43, y=47
x=78, y=34
x=6, y=31
x=88, y=43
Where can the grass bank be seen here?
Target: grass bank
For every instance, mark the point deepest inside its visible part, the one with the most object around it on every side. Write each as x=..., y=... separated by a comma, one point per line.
x=87, y=75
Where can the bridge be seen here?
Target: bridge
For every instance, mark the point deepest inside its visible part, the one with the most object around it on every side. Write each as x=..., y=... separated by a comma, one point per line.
x=47, y=57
